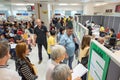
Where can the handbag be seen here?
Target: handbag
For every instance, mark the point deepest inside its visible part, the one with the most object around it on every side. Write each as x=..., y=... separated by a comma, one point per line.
x=76, y=46
x=84, y=60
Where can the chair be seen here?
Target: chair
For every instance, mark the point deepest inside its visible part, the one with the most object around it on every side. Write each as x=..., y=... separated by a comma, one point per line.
x=112, y=41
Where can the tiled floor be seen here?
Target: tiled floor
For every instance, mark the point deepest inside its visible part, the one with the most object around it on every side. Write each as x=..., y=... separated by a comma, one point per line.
x=34, y=59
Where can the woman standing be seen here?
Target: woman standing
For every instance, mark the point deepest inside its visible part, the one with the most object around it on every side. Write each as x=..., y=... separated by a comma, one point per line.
x=83, y=56
x=23, y=64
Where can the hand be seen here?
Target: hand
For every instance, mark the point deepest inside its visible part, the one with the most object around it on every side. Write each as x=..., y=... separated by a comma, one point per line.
x=34, y=44
x=78, y=78
x=75, y=39
x=66, y=55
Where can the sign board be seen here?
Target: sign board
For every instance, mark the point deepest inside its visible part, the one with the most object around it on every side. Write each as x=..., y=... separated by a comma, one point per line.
x=98, y=62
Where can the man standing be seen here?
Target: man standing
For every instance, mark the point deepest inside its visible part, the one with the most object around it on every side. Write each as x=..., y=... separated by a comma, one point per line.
x=67, y=40
x=40, y=37
x=5, y=72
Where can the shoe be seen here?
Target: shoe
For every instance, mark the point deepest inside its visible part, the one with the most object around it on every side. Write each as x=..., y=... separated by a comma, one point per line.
x=39, y=61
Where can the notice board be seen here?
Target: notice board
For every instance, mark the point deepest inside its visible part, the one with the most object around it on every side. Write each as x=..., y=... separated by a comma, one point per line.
x=98, y=63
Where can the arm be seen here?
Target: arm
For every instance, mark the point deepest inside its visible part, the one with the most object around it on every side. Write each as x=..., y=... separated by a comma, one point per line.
x=62, y=41
x=78, y=78
x=18, y=40
x=34, y=37
x=46, y=31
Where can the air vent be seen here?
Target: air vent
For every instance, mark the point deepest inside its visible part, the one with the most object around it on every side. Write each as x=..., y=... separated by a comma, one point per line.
x=7, y=0
x=98, y=0
x=43, y=1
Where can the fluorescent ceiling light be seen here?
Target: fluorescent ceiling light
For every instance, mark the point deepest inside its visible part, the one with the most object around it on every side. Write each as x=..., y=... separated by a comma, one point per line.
x=74, y=4
x=1, y=5
x=22, y=4
x=100, y=4
x=65, y=4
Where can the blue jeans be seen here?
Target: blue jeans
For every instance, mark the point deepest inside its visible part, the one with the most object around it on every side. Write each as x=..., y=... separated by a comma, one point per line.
x=70, y=60
x=13, y=53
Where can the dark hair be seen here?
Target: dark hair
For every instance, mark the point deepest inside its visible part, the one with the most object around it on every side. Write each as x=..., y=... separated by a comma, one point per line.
x=112, y=30
x=62, y=29
x=4, y=48
x=69, y=27
x=52, y=32
x=85, y=41
x=101, y=25
x=42, y=22
x=92, y=22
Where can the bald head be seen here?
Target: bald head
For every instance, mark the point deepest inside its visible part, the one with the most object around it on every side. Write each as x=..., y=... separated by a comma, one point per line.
x=38, y=22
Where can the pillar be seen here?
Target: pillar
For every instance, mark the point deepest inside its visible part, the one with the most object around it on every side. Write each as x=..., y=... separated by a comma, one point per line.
x=37, y=10
x=45, y=13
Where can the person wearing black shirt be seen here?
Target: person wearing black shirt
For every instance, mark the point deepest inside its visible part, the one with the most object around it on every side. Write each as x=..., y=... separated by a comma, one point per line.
x=40, y=36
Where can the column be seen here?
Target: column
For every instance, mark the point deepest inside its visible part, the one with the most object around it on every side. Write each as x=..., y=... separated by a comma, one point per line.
x=45, y=13
x=52, y=7
x=37, y=10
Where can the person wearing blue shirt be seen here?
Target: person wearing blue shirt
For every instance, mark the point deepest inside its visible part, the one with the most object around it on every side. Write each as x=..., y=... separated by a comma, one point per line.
x=67, y=41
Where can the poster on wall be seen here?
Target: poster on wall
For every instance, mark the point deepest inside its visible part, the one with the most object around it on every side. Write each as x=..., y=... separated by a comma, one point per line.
x=2, y=16
x=98, y=63
x=117, y=9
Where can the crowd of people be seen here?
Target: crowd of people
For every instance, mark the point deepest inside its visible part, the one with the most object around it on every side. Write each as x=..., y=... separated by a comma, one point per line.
x=105, y=35
x=59, y=42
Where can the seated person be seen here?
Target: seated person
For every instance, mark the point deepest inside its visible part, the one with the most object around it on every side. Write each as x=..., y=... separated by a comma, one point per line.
x=111, y=39
x=102, y=31
x=100, y=40
x=62, y=72
x=2, y=38
x=18, y=38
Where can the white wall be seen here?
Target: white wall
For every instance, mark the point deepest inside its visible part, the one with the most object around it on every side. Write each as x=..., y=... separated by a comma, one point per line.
x=102, y=9
x=68, y=7
x=88, y=9
x=13, y=9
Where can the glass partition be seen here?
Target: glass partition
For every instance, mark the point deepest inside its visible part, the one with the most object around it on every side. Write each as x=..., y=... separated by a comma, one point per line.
x=80, y=30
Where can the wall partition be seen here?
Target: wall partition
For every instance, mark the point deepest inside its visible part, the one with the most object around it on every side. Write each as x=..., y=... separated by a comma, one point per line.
x=106, y=21
x=96, y=19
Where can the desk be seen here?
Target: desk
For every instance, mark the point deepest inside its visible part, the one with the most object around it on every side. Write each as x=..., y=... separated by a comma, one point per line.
x=117, y=53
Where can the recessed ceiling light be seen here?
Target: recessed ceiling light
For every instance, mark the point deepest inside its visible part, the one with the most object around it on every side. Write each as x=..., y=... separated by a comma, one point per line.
x=63, y=4
x=21, y=4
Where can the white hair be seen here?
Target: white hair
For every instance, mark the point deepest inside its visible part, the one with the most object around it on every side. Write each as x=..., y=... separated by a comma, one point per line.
x=57, y=51
x=61, y=72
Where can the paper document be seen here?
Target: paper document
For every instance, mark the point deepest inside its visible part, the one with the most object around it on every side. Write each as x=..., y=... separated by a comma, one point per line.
x=79, y=71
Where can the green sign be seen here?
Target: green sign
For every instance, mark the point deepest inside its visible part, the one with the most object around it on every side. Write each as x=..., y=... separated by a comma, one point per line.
x=98, y=63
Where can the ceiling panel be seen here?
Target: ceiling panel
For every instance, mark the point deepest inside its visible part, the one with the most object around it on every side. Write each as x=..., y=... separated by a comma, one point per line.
x=57, y=1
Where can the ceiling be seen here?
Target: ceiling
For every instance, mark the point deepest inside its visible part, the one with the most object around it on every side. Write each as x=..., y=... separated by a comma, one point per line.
x=58, y=1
